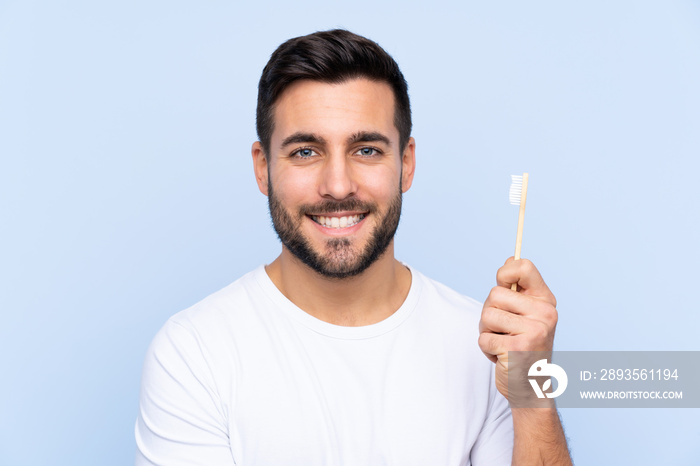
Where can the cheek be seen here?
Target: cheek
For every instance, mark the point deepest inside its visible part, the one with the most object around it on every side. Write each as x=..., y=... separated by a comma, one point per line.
x=381, y=184
x=293, y=185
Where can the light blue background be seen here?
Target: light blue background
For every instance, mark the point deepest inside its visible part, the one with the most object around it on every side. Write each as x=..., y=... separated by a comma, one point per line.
x=127, y=192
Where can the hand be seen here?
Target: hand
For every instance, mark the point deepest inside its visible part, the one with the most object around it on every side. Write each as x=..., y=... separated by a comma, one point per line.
x=523, y=320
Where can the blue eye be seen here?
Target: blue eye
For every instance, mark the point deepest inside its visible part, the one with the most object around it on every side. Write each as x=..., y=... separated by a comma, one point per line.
x=304, y=153
x=368, y=151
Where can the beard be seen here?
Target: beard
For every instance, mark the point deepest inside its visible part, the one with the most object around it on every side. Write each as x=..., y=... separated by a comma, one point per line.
x=339, y=257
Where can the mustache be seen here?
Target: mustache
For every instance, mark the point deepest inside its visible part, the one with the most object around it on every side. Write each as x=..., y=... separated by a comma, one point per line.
x=330, y=206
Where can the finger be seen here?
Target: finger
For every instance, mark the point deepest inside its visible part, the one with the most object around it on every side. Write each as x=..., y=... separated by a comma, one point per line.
x=528, y=309
x=533, y=334
x=490, y=344
x=500, y=321
x=525, y=274
x=537, y=337
x=518, y=303
x=496, y=346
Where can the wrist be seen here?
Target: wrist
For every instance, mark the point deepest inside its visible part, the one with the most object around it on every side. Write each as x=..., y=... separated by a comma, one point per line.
x=548, y=415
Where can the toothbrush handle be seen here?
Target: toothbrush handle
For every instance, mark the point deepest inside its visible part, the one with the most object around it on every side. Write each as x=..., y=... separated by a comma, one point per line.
x=521, y=221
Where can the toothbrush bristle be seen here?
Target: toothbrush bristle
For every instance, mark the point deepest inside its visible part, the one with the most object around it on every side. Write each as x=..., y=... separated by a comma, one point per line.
x=516, y=189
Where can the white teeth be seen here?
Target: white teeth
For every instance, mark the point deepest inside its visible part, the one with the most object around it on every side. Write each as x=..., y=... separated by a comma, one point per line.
x=338, y=222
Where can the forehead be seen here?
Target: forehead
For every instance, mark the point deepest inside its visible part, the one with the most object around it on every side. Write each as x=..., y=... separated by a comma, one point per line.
x=335, y=109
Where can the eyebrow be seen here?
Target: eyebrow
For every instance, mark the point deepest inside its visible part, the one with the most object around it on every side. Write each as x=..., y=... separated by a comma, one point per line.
x=368, y=136
x=310, y=138
x=300, y=137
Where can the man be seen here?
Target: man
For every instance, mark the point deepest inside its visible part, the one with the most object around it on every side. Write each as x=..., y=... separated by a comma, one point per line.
x=336, y=353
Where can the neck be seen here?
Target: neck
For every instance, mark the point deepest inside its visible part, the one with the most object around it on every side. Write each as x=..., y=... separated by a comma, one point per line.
x=364, y=299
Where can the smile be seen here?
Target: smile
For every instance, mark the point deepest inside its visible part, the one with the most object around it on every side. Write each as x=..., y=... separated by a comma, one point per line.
x=338, y=222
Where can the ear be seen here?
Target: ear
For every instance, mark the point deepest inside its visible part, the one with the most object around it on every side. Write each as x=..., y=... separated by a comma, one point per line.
x=408, y=161
x=260, y=166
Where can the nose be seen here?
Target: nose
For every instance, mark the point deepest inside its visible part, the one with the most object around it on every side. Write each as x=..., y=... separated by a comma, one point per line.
x=337, y=178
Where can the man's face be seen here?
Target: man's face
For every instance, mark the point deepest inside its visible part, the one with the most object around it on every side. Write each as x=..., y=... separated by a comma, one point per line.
x=334, y=175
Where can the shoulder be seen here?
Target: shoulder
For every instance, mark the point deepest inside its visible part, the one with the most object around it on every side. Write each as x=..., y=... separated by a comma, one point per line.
x=446, y=293
x=235, y=300
x=204, y=342
x=215, y=324
x=452, y=312
x=441, y=295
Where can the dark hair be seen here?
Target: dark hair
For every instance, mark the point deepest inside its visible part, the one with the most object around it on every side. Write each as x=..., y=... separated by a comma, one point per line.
x=333, y=57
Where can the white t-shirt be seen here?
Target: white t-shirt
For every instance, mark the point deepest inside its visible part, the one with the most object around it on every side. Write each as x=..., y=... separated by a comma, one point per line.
x=245, y=377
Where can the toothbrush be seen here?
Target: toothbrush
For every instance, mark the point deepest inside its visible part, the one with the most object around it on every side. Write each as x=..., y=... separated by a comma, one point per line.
x=518, y=196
